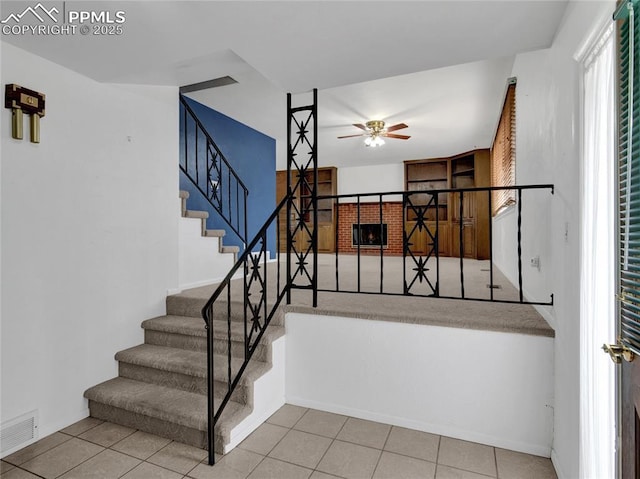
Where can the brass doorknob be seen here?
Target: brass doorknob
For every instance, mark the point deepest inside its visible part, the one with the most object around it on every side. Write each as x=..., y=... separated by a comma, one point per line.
x=618, y=351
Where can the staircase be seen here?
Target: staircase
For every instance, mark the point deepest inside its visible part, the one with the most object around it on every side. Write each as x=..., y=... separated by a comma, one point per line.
x=162, y=387
x=207, y=233
x=203, y=257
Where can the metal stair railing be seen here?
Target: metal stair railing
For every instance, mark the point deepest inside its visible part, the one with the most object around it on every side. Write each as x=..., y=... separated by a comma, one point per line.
x=255, y=305
x=207, y=168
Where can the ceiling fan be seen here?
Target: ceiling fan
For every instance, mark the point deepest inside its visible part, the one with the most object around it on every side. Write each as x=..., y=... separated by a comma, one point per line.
x=375, y=130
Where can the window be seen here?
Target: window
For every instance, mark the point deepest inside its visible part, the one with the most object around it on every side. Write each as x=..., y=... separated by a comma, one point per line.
x=503, y=152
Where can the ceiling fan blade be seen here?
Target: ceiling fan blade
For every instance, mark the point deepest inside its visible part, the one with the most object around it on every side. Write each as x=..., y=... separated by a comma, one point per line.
x=399, y=126
x=361, y=126
x=394, y=135
x=352, y=136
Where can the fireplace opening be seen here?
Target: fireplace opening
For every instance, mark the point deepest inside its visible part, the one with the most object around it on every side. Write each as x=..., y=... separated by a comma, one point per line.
x=369, y=235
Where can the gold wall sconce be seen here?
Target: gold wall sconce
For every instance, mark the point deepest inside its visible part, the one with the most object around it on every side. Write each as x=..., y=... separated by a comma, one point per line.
x=22, y=100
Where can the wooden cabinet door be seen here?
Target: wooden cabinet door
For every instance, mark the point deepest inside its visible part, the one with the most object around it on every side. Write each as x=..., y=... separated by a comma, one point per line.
x=468, y=239
x=281, y=192
x=444, y=238
x=469, y=208
x=417, y=239
x=421, y=240
x=326, y=238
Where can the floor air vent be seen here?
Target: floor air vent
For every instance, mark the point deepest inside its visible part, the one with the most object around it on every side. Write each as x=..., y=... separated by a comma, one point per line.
x=18, y=431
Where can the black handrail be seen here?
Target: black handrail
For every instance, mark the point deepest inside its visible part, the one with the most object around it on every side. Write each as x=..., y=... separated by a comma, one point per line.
x=256, y=312
x=213, y=175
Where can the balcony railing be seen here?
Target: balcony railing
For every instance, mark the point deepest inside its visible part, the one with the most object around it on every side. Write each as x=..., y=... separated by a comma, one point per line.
x=418, y=241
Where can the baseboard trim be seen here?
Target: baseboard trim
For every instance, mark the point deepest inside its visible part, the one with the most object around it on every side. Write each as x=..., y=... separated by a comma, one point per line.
x=555, y=462
x=206, y=282
x=439, y=429
x=197, y=284
x=246, y=427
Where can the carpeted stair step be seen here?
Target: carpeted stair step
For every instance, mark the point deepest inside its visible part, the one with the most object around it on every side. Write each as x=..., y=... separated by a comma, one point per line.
x=215, y=233
x=166, y=412
x=182, y=305
x=186, y=305
x=187, y=370
x=203, y=215
x=189, y=333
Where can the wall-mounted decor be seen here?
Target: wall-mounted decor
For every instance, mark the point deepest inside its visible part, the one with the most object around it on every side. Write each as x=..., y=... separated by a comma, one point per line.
x=22, y=100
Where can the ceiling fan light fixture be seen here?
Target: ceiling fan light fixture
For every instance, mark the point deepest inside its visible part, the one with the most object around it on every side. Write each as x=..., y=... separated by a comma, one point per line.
x=373, y=141
x=374, y=130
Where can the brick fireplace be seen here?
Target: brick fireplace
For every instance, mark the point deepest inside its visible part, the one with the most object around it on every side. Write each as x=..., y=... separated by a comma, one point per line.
x=370, y=214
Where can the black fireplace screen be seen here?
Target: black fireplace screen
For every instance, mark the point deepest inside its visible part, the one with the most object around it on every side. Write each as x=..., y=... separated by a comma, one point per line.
x=369, y=234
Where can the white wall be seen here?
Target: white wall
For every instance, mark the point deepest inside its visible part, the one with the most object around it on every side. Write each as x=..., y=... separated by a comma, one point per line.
x=548, y=151
x=89, y=234
x=200, y=261
x=482, y=386
x=371, y=179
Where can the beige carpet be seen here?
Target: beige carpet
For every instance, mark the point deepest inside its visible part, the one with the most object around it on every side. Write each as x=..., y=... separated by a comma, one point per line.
x=481, y=315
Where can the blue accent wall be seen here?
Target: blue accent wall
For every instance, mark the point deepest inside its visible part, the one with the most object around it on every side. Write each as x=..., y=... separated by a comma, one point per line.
x=252, y=155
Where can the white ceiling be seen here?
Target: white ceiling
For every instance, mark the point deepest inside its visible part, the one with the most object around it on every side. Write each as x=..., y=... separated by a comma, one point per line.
x=439, y=66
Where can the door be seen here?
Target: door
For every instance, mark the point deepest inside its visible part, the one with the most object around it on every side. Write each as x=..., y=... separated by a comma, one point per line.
x=628, y=303
x=630, y=431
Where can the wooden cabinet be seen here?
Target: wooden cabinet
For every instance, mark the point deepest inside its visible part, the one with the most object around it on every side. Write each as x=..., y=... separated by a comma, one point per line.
x=327, y=186
x=471, y=209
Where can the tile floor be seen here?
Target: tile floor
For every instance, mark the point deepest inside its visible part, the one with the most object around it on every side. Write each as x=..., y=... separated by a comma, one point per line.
x=293, y=443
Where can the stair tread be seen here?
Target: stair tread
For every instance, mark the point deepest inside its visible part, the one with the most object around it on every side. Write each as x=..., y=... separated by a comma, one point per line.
x=191, y=326
x=215, y=233
x=164, y=403
x=192, y=363
x=196, y=214
x=230, y=249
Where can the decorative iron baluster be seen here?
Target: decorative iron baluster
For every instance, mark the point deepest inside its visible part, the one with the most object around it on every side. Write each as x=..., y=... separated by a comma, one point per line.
x=303, y=198
x=420, y=264
x=490, y=209
x=381, y=247
x=521, y=295
x=460, y=216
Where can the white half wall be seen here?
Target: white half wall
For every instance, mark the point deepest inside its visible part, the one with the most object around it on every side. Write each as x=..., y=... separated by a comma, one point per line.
x=487, y=387
x=268, y=396
x=89, y=234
